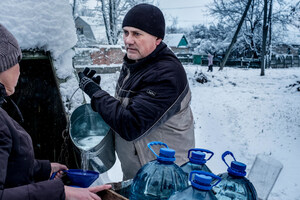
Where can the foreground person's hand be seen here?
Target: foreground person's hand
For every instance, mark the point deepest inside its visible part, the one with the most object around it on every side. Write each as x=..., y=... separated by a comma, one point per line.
x=57, y=167
x=73, y=193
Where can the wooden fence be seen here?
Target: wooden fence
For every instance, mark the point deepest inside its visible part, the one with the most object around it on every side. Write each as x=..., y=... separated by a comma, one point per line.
x=285, y=61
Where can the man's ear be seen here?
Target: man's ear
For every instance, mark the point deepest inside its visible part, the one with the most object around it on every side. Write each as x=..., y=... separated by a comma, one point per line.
x=158, y=41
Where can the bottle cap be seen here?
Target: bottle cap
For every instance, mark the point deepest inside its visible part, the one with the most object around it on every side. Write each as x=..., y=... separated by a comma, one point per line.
x=198, y=157
x=166, y=154
x=237, y=169
x=203, y=180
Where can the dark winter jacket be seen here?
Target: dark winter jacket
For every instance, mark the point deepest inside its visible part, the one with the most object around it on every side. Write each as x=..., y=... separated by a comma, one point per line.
x=20, y=173
x=152, y=103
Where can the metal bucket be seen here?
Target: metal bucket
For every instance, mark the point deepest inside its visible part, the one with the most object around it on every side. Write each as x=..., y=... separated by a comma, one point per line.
x=91, y=134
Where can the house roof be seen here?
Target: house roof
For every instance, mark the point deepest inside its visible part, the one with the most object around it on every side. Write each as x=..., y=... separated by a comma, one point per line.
x=174, y=39
x=92, y=21
x=98, y=29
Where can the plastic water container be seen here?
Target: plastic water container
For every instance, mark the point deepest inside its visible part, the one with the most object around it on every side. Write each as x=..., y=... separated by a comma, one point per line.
x=197, y=161
x=201, y=188
x=159, y=178
x=234, y=184
x=264, y=173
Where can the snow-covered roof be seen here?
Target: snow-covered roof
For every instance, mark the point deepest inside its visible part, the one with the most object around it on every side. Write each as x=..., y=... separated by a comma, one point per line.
x=92, y=21
x=46, y=25
x=49, y=26
x=173, y=39
x=97, y=27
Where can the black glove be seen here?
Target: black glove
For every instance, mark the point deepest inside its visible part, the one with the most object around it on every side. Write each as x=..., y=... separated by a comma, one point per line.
x=88, y=83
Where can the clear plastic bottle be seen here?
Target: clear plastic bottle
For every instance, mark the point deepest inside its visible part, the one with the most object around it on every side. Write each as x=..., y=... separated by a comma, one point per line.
x=234, y=184
x=159, y=178
x=201, y=188
x=197, y=161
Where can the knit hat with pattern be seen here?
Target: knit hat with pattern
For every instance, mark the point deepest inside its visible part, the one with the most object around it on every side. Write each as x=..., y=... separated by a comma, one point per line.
x=10, y=52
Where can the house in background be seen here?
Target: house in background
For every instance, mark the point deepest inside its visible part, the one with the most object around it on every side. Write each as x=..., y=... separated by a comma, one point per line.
x=92, y=47
x=177, y=42
x=90, y=30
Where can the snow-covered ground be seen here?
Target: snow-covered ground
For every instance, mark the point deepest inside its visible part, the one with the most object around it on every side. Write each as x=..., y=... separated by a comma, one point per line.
x=247, y=114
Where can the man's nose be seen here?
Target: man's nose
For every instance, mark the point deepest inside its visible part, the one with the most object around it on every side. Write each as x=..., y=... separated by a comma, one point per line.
x=129, y=39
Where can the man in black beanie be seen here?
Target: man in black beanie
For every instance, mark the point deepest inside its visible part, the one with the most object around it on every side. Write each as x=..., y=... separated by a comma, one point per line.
x=152, y=99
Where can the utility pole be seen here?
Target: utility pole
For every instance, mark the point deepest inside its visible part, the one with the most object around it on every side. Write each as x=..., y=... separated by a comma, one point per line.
x=235, y=36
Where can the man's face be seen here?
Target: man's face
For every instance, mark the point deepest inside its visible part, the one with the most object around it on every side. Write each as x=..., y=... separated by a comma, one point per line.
x=138, y=43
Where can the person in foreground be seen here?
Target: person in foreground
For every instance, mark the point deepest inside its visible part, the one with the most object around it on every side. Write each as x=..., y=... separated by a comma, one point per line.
x=21, y=175
x=152, y=99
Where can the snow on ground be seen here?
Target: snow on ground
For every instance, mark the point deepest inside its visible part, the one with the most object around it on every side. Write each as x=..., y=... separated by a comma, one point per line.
x=247, y=114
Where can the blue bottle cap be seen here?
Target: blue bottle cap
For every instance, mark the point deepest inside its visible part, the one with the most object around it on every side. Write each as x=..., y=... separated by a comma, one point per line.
x=197, y=157
x=166, y=155
x=202, y=182
x=237, y=169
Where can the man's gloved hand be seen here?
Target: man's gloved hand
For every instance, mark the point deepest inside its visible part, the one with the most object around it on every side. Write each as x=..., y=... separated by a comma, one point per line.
x=88, y=83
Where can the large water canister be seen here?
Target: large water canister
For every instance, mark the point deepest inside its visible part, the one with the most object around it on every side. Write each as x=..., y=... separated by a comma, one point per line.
x=160, y=178
x=197, y=160
x=234, y=184
x=201, y=188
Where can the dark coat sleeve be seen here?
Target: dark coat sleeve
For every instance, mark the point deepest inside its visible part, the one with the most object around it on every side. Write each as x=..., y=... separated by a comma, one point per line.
x=46, y=190
x=5, y=149
x=148, y=107
x=41, y=170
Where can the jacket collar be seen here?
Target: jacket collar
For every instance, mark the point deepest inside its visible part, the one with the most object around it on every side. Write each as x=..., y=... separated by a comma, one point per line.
x=5, y=99
x=133, y=65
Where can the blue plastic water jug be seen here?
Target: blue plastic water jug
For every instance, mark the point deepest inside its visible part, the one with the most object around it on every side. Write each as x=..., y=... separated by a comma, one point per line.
x=160, y=178
x=201, y=188
x=197, y=161
x=234, y=184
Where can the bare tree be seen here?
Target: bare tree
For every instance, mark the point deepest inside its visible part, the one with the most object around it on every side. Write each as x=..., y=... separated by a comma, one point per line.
x=264, y=39
x=269, y=42
x=112, y=12
x=250, y=36
x=78, y=6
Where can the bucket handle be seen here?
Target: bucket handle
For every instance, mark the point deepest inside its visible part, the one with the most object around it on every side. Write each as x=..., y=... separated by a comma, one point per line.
x=54, y=174
x=225, y=154
x=156, y=143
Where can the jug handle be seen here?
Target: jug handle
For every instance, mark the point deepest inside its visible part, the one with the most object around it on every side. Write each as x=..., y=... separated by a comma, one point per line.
x=156, y=143
x=206, y=174
x=202, y=150
x=225, y=154
x=54, y=173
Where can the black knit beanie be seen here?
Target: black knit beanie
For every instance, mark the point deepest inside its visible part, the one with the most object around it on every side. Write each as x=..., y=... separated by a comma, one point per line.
x=10, y=52
x=146, y=17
